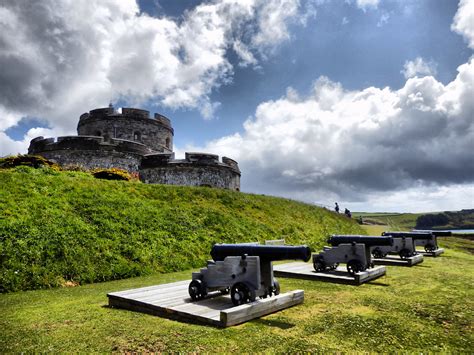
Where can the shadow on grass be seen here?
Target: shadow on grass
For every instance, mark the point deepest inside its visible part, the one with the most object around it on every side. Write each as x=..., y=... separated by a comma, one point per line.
x=378, y=283
x=274, y=323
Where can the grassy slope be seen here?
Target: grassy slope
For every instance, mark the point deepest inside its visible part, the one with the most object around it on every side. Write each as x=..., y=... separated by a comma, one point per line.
x=428, y=307
x=61, y=227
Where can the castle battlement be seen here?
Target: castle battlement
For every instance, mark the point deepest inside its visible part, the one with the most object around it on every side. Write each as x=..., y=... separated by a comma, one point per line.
x=126, y=112
x=151, y=161
x=41, y=145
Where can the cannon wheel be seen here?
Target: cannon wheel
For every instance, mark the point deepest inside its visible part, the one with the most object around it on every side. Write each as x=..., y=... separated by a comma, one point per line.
x=404, y=254
x=319, y=265
x=429, y=248
x=354, y=266
x=197, y=290
x=276, y=287
x=377, y=253
x=240, y=293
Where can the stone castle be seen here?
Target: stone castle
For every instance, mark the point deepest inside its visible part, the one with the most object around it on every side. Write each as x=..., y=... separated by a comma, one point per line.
x=134, y=141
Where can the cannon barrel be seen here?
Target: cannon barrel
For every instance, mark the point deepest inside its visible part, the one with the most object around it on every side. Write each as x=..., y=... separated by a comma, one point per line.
x=266, y=252
x=362, y=239
x=413, y=235
x=436, y=233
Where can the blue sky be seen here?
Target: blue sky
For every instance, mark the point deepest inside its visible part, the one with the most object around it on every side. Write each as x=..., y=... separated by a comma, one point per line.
x=368, y=73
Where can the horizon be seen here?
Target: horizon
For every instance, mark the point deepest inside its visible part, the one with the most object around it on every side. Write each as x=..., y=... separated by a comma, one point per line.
x=359, y=102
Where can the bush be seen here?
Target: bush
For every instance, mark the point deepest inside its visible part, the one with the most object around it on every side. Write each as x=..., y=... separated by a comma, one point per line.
x=431, y=220
x=34, y=161
x=111, y=174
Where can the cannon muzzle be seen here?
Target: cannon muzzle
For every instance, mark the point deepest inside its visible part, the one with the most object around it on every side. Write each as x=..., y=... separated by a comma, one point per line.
x=413, y=235
x=266, y=252
x=370, y=241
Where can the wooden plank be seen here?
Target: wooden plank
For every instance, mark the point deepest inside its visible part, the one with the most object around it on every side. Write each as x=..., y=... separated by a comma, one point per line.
x=173, y=301
x=395, y=260
x=306, y=271
x=149, y=288
x=246, y=312
x=435, y=253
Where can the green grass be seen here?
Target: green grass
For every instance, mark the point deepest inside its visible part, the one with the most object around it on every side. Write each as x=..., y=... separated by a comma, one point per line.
x=67, y=227
x=425, y=308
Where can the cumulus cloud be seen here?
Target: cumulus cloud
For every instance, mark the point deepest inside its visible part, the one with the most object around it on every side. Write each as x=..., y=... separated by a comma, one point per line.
x=464, y=21
x=337, y=143
x=63, y=57
x=418, y=67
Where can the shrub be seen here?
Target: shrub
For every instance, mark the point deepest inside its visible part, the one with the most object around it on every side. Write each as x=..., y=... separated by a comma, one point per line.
x=431, y=220
x=111, y=174
x=34, y=161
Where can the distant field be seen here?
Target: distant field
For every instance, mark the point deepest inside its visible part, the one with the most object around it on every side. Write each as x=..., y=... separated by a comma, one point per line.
x=463, y=219
x=398, y=221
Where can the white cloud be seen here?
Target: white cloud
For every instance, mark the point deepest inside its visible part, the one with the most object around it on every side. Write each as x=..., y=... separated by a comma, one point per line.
x=464, y=21
x=360, y=145
x=67, y=57
x=383, y=19
x=418, y=67
x=367, y=4
x=9, y=146
x=246, y=56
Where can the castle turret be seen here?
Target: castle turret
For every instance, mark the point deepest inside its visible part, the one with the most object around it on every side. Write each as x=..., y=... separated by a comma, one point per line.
x=130, y=124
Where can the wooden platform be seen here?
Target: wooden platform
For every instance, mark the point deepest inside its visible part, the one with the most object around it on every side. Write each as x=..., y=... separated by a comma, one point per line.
x=173, y=301
x=306, y=271
x=395, y=260
x=435, y=253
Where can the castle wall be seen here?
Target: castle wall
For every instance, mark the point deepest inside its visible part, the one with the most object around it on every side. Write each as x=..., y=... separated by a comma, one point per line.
x=90, y=159
x=195, y=170
x=90, y=152
x=131, y=124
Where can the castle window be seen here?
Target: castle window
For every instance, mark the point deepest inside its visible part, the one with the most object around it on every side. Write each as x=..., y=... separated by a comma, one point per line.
x=167, y=142
x=137, y=136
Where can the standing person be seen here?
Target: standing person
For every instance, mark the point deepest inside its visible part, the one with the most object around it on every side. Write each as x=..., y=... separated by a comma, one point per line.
x=336, y=208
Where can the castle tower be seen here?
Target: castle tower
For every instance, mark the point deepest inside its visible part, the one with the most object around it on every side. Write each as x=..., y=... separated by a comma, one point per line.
x=131, y=124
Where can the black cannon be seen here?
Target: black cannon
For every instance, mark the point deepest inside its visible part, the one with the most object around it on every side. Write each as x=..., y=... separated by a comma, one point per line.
x=266, y=252
x=369, y=241
x=436, y=233
x=426, y=239
x=244, y=270
x=353, y=250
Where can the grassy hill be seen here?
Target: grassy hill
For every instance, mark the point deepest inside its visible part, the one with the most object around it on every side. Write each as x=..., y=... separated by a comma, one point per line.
x=66, y=228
